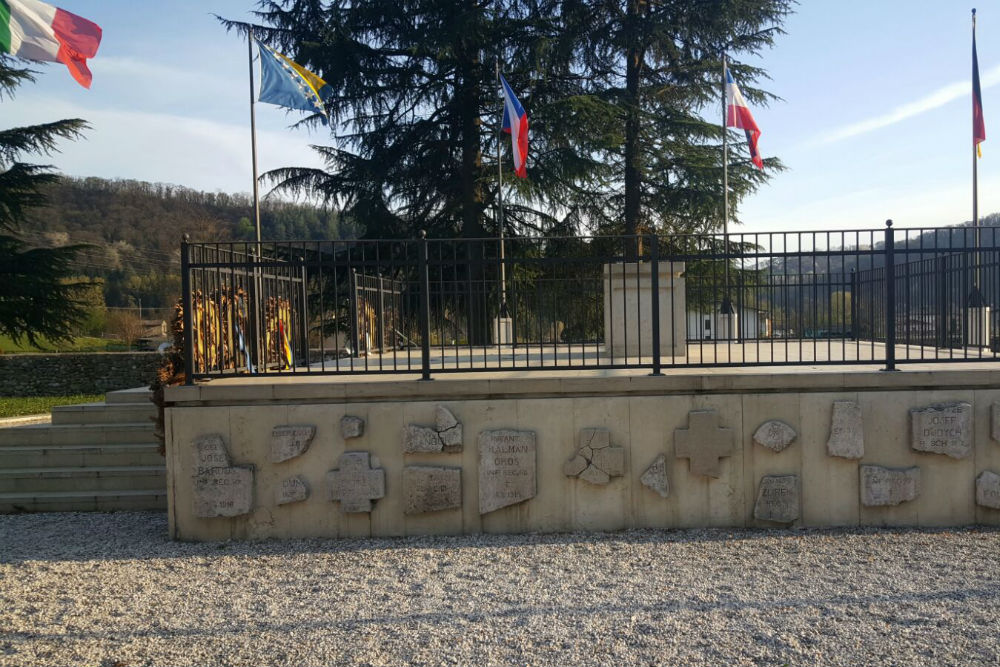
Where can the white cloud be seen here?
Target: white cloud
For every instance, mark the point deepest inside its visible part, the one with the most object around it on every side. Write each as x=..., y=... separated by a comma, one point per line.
x=938, y=98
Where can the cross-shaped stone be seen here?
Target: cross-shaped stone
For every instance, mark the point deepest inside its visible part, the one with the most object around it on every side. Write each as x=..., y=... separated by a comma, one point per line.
x=356, y=483
x=703, y=442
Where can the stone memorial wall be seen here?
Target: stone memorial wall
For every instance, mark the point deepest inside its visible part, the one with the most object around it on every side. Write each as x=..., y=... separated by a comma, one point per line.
x=566, y=460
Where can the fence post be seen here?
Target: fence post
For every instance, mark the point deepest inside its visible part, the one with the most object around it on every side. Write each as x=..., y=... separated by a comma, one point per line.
x=854, y=305
x=890, y=298
x=355, y=314
x=942, y=291
x=654, y=265
x=425, y=309
x=304, y=313
x=188, y=305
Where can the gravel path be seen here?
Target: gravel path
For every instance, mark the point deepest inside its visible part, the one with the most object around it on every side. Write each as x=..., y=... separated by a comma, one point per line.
x=110, y=589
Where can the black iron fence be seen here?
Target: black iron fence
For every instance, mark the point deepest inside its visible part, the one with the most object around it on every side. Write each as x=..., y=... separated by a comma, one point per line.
x=558, y=303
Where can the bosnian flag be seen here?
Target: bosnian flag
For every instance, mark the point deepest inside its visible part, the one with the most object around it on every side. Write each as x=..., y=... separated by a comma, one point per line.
x=738, y=115
x=37, y=31
x=515, y=123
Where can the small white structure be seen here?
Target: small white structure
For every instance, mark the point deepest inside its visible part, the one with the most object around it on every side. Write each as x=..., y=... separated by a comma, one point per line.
x=715, y=325
x=503, y=330
x=628, y=309
x=978, y=326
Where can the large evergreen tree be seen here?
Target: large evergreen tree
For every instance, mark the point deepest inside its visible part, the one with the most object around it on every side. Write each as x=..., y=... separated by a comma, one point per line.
x=38, y=298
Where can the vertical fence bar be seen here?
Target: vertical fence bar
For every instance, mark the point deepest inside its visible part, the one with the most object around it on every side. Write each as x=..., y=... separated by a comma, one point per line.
x=890, y=297
x=188, y=304
x=654, y=265
x=304, y=310
x=425, y=309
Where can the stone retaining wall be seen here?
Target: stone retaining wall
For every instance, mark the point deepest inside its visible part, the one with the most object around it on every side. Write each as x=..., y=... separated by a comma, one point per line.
x=75, y=373
x=257, y=458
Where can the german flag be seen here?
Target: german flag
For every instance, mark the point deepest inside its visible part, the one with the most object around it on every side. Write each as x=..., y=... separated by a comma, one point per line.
x=978, y=125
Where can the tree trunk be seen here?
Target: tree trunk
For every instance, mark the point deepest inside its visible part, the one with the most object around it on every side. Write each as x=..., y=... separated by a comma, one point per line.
x=634, y=53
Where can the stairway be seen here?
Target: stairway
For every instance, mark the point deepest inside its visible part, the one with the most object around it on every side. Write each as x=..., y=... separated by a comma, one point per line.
x=92, y=457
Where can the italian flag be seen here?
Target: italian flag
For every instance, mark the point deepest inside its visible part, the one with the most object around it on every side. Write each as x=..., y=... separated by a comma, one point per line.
x=37, y=31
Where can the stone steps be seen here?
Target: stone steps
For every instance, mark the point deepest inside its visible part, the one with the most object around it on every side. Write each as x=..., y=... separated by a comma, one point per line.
x=77, y=479
x=92, y=457
x=141, y=454
x=103, y=413
x=83, y=501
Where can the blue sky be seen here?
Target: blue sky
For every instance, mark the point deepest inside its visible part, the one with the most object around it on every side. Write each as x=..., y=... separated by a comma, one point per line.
x=874, y=121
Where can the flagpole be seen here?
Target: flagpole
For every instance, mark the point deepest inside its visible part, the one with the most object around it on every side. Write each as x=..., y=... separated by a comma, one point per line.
x=503, y=266
x=726, y=307
x=253, y=139
x=975, y=168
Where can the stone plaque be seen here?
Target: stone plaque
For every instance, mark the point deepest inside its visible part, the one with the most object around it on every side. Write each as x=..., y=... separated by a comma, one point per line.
x=431, y=488
x=506, y=468
x=351, y=427
x=444, y=436
x=704, y=442
x=356, y=483
x=775, y=435
x=846, y=433
x=945, y=428
x=655, y=477
x=287, y=442
x=596, y=459
x=988, y=489
x=888, y=486
x=291, y=490
x=220, y=489
x=777, y=499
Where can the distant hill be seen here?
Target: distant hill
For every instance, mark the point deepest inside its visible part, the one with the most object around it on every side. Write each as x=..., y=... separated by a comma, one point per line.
x=135, y=229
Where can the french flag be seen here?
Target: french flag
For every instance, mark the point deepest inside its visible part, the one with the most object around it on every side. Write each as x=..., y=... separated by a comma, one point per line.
x=738, y=115
x=515, y=123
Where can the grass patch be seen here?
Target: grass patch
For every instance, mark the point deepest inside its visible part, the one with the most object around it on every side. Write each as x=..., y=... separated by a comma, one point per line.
x=34, y=405
x=81, y=344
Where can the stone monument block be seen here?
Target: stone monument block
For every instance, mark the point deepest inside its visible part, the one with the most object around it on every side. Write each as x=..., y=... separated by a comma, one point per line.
x=220, y=489
x=431, y=488
x=846, y=431
x=988, y=489
x=351, y=427
x=945, y=428
x=888, y=486
x=776, y=435
x=291, y=490
x=655, y=477
x=506, y=468
x=596, y=459
x=287, y=442
x=444, y=436
x=704, y=442
x=357, y=482
x=777, y=499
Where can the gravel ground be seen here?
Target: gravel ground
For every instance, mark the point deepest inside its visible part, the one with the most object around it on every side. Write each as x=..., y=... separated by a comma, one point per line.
x=110, y=589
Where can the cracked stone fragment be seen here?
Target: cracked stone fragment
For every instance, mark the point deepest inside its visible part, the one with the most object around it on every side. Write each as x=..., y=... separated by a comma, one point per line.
x=846, y=433
x=444, y=436
x=351, y=427
x=357, y=482
x=777, y=499
x=291, y=490
x=596, y=459
x=220, y=489
x=443, y=419
x=988, y=489
x=775, y=434
x=595, y=475
x=882, y=486
x=945, y=428
x=289, y=441
x=655, y=477
x=431, y=489
x=575, y=466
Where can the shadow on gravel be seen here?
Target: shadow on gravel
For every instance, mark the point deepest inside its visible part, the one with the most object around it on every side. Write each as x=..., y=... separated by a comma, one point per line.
x=143, y=535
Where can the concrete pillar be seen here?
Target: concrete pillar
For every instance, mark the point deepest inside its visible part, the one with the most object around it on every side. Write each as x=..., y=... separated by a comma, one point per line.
x=628, y=320
x=977, y=326
x=503, y=330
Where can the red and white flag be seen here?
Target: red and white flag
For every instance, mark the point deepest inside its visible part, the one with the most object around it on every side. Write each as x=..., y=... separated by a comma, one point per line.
x=38, y=31
x=738, y=115
x=515, y=123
